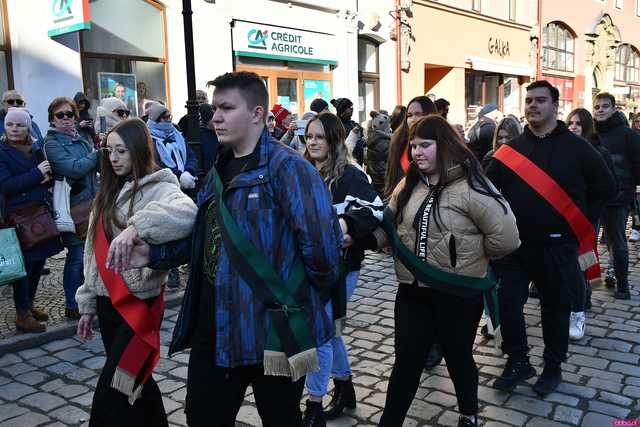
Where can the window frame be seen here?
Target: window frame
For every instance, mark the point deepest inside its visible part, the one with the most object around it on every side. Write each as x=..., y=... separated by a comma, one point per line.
x=618, y=4
x=513, y=11
x=476, y=5
x=637, y=8
x=5, y=43
x=630, y=64
x=84, y=54
x=556, y=28
x=369, y=77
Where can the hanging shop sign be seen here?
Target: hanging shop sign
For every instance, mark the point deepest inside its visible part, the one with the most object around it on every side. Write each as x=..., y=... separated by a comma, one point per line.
x=285, y=44
x=66, y=16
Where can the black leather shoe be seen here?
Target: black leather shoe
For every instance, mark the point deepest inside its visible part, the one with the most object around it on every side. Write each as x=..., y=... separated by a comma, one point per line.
x=466, y=422
x=514, y=372
x=313, y=415
x=549, y=380
x=434, y=357
x=344, y=396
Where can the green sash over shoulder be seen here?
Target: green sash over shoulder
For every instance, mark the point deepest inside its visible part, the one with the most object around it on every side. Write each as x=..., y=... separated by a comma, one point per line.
x=290, y=348
x=444, y=281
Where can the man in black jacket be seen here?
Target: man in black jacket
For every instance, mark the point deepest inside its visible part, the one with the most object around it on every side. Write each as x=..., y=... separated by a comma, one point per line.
x=549, y=251
x=624, y=145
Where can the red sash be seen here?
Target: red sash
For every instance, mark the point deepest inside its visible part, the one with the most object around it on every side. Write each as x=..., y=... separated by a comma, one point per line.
x=143, y=351
x=551, y=191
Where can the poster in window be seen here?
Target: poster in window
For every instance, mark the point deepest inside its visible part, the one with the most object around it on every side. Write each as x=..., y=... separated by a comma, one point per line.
x=316, y=89
x=119, y=85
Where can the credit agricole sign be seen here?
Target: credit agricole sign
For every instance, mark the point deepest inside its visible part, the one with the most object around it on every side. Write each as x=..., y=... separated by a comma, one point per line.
x=287, y=44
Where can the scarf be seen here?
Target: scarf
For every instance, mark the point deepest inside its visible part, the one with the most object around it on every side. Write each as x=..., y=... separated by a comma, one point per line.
x=170, y=145
x=142, y=353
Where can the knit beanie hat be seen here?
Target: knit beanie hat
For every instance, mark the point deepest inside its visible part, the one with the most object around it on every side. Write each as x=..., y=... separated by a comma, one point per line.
x=280, y=113
x=206, y=113
x=341, y=104
x=156, y=111
x=18, y=115
x=112, y=104
x=318, y=105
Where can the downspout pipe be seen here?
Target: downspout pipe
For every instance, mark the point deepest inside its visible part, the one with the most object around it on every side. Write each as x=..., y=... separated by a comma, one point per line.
x=399, y=55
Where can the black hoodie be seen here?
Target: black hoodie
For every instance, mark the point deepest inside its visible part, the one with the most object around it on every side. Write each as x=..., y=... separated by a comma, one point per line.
x=89, y=132
x=624, y=145
x=574, y=164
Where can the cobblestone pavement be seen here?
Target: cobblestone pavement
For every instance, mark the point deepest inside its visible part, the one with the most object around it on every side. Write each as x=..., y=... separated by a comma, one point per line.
x=52, y=384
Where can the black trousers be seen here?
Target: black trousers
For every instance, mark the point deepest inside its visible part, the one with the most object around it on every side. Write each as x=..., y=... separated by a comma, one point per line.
x=215, y=394
x=555, y=271
x=421, y=315
x=110, y=407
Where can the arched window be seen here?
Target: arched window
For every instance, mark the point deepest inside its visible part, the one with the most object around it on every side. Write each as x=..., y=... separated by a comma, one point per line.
x=627, y=64
x=558, y=47
x=125, y=49
x=6, y=76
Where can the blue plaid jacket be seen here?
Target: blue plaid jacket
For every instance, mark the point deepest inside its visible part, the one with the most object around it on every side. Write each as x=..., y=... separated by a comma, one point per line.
x=285, y=209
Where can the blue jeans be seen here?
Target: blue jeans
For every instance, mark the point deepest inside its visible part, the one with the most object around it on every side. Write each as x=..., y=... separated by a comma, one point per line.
x=614, y=221
x=24, y=290
x=332, y=356
x=72, y=275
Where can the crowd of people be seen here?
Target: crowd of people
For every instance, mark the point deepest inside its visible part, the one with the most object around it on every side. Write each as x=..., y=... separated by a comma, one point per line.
x=273, y=216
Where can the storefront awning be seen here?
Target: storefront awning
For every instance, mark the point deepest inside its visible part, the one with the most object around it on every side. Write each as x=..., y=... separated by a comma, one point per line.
x=502, y=67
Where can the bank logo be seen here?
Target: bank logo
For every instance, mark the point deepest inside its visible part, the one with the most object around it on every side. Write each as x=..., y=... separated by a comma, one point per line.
x=60, y=7
x=258, y=39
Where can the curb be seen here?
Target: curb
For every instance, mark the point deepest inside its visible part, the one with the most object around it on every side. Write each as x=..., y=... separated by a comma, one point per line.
x=62, y=330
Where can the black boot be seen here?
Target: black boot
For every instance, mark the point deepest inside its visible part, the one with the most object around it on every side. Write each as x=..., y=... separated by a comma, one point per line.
x=344, y=396
x=313, y=415
x=434, y=357
x=549, y=380
x=622, y=291
x=466, y=422
x=514, y=372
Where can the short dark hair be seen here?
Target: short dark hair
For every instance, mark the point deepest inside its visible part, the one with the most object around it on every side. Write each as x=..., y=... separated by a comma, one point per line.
x=59, y=102
x=250, y=85
x=607, y=95
x=555, y=93
x=441, y=104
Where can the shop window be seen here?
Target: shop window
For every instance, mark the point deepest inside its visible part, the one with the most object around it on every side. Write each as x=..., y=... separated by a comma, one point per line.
x=558, y=48
x=627, y=64
x=6, y=78
x=125, y=49
x=368, y=78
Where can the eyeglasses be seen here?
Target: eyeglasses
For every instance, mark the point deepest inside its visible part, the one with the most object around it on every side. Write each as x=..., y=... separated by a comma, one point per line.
x=167, y=117
x=62, y=114
x=123, y=113
x=15, y=102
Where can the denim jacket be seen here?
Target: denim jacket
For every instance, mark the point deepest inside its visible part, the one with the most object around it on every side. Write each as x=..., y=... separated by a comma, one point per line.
x=283, y=206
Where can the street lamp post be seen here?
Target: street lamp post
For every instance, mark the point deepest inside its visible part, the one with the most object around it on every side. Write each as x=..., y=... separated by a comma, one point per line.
x=193, y=114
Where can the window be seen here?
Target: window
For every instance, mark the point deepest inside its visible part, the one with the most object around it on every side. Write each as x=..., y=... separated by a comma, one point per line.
x=627, y=64
x=512, y=10
x=6, y=77
x=618, y=4
x=557, y=48
x=476, y=5
x=368, y=78
x=638, y=8
x=127, y=49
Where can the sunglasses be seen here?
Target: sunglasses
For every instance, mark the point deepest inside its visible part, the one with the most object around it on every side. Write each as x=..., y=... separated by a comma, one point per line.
x=15, y=102
x=167, y=117
x=62, y=114
x=123, y=113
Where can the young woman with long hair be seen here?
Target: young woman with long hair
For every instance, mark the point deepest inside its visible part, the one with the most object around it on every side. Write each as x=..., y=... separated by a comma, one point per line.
x=399, y=154
x=359, y=210
x=507, y=129
x=447, y=213
x=137, y=200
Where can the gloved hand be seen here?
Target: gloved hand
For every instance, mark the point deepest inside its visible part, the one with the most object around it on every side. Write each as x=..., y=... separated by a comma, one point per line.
x=187, y=181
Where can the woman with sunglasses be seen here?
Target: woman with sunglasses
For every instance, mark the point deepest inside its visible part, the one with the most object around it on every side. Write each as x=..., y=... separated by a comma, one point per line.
x=13, y=98
x=73, y=158
x=110, y=112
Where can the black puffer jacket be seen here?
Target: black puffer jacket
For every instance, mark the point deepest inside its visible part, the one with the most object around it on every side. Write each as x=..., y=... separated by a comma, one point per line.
x=624, y=145
x=377, y=153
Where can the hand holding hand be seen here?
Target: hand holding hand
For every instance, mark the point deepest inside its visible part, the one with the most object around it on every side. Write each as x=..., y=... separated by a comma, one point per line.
x=140, y=255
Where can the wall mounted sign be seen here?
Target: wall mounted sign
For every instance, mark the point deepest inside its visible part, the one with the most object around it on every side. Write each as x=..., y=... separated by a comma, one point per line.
x=66, y=16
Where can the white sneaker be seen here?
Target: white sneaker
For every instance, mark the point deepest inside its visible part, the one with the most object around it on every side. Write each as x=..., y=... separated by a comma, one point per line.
x=635, y=236
x=576, y=325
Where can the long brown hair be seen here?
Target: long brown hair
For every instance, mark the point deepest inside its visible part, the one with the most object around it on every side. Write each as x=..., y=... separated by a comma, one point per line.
x=450, y=151
x=399, y=141
x=509, y=124
x=339, y=157
x=586, y=123
x=138, y=141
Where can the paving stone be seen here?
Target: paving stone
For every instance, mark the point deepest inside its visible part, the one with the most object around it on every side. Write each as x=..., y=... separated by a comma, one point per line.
x=604, y=385
x=616, y=399
x=576, y=390
x=543, y=422
x=61, y=368
x=11, y=410
x=73, y=355
x=18, y=368
x=32, y=378
x=70, y=415
x=442, y=399
x=619, y=356
x=71, y=390
x=530, y=405
x=631, y=391
x=505, y=415
x=592, y=419
x=31, y=353
x=608, y=409
x=591, y=362
x=9, y=359
x=168, y=386
x=43, y=401
x=14, y=391
x=423, y=410
x=44, y=361
x=60, y=345
x=30, y=419
x=96, y=362
x=53, y=385
x=633, y=370
x=566, y=414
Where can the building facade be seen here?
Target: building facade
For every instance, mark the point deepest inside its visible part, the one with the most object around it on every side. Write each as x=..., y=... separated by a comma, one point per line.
x=303, y=49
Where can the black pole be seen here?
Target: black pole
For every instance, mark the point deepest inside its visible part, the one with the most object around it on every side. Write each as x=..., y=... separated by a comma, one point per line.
x=193, y=114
